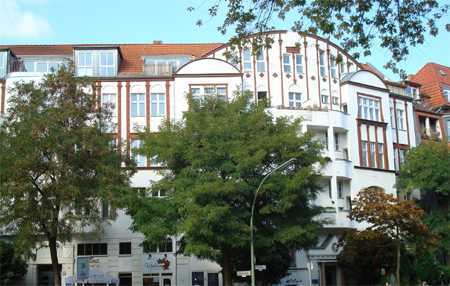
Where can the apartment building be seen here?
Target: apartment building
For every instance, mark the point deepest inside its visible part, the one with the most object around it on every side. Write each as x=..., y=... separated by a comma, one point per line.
x=365, y=122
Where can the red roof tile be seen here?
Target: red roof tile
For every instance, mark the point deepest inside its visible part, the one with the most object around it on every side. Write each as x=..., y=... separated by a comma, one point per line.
x=432, y=78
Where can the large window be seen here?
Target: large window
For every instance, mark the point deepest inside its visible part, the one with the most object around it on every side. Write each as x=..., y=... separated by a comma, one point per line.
x=295, y=99
x=96, y=62
x=90, y=249
x=299, y=64
x=199, y=92
x=369, y=108
x=322, y=63
x=3, y=63
x=109, y=102
x=247, y=60
x=158, y=104
x=137, y=104
x=287, y=63
x=141, y=160
x=260, y=63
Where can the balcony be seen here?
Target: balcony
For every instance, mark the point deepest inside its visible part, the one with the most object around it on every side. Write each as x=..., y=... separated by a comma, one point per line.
x=430, y=134
x=158, y=70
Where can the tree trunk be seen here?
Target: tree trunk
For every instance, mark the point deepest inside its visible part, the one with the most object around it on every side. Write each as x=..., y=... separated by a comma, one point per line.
x=397, y=270
x=227, y=270
x=54, y=256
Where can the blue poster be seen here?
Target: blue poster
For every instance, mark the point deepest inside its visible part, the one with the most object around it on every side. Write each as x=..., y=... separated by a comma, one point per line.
x=82, y=268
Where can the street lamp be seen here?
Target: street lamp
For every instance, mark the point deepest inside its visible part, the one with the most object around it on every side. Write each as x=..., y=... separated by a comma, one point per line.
x=252, y=250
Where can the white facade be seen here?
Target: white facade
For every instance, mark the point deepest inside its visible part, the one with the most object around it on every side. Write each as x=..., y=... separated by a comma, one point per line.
x=348, y=108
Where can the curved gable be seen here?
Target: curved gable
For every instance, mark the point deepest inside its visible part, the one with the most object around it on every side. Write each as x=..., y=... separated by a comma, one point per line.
x=365, y=77
x=207, y=66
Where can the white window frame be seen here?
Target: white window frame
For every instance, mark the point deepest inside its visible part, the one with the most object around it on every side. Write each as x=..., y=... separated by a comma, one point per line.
x=446, y=92
x=218, y=90
x=295, y=99
x=247, y=60
x=364, y=157
x=333, y=67
x=369, y=108
x=325, y=98
x=158, y=104
x=322, y=64
x=260, y=62
x=400, y=124
x=140, y=160
x=372, y=154
x=95, y=67
x=139, y=103
x=109, y=100
x=299, y=63
x=287, y=67
x=380, y=155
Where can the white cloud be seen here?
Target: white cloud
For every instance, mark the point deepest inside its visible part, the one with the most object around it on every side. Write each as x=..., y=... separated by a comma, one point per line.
x=17, y=22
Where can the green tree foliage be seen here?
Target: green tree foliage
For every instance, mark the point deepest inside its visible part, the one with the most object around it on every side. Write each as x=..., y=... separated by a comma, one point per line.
x=216, y=157
x=426, y=168
x=357, y=24
x=365, y=255
x=57, y=162
x=12, y=266
x=399, y=220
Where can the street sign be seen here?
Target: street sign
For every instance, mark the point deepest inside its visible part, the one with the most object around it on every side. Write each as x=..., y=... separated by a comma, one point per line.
x=243, y=273
x=260, y=267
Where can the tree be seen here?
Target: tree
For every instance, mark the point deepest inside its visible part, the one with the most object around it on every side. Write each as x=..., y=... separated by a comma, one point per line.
x=12, y=266
x=216, y=157
x=399, y=220
x=426, y=169
x=56, y=162
x=365, y=255
x=357, y=24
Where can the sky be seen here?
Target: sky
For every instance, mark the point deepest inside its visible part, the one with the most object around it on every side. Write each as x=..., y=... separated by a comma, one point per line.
x=143, y=21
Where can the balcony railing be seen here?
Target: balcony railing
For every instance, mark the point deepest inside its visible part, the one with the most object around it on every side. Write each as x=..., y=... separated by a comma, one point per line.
x=342, y=154
x=430, y=134
x=158, y=70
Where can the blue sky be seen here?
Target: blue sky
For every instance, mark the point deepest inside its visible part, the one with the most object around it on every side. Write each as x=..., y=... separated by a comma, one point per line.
x=142, y=21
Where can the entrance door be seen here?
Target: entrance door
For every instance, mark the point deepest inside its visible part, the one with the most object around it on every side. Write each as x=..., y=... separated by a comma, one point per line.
x=125, y=279
x=45, y=274
x=330, y=275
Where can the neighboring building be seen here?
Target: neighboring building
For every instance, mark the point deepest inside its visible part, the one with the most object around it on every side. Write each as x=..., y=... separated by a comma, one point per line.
x=431, y=88
x=363, y=120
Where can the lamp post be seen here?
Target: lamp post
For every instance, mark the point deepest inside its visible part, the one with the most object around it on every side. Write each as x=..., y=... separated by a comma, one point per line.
x=252, y=250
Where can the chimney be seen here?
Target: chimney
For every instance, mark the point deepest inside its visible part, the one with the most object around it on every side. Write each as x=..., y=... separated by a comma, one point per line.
x=157, y=42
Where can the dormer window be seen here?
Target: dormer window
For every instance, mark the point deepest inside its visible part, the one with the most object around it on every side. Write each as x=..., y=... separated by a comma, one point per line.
x=42, y=64
x=163, y=65
x=446, y=92
x=96, y=62
x=412, y=92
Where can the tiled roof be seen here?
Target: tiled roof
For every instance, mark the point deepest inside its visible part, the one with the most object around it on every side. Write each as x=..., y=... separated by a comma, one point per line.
x=432, y=78
x=132, y=54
